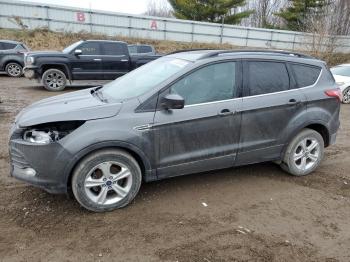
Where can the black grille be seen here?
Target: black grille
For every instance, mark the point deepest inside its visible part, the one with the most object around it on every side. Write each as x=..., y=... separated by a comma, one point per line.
x=17, y=157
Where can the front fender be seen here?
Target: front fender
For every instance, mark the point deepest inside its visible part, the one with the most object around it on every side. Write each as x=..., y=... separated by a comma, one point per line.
x=43, y=64
x=149, y=173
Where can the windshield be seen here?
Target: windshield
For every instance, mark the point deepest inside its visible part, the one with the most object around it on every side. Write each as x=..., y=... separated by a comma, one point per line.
x=144, y=78
x=70, y=48
x=341, y=70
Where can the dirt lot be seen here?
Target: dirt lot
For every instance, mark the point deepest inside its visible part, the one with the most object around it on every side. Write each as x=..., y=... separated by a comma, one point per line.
x=254, y=213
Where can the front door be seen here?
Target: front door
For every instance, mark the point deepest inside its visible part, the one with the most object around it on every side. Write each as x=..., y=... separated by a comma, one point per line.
x=269, y=106
x=204, y=135
x=88, y=65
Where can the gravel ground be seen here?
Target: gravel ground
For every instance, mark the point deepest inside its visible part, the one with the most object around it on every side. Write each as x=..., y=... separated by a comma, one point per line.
x=253, y=213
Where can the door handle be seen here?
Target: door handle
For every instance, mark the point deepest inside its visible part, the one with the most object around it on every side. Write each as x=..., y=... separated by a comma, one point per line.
x=124, y=60
x=97, y=59
x=293, y=102
x=225, y=112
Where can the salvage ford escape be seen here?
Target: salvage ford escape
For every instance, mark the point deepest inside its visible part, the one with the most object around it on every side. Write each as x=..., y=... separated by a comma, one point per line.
x=184, y=113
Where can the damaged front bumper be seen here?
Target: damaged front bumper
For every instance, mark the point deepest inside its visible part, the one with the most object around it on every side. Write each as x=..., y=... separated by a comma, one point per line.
x=40, y=165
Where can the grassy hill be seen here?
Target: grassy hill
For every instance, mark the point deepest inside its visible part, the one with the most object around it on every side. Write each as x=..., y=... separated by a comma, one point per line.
x=43, y=39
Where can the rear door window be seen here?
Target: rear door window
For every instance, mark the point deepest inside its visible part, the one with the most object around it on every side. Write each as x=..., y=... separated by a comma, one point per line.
x=91, y=48
x=267, y=77
x=305, y=75
x=113, y=49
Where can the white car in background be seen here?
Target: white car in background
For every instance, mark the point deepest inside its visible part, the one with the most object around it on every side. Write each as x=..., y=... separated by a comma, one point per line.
x=341, y=75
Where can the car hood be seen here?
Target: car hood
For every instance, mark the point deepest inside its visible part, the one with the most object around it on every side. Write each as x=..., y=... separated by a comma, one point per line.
x=80, y=105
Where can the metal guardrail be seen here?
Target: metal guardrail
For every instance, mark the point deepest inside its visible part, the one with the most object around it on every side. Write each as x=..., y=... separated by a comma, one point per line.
x=58, y=18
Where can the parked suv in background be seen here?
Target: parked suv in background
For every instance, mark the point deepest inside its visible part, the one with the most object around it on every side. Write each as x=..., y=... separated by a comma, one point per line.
x=341, y=75
x=83, y=60
x=12, y=57
x=184, y=113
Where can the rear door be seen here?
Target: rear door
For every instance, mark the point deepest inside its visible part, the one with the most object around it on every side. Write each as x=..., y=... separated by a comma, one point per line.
x=116, y=61
x=88, y=65
x=204, y=135
x=269, y=106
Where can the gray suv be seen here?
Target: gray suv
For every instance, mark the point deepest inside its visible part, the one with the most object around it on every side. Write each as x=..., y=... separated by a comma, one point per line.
x=12, y=57
x=185, y=113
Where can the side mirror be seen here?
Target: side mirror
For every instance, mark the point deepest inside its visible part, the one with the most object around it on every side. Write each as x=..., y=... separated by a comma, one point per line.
x=77, y=52
x=173, y=101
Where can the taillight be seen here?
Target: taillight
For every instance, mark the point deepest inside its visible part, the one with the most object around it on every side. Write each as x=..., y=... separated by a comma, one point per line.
x=336, y=92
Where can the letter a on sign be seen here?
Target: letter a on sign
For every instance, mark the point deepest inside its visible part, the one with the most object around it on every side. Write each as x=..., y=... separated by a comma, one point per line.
x=81, y=17
x=154, y=25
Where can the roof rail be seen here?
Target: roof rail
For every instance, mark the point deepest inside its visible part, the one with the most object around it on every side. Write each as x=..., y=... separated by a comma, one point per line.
x=277, y=52
x=188, y=50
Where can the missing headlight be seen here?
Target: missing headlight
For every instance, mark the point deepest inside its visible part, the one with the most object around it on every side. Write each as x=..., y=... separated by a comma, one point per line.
x=50, y=132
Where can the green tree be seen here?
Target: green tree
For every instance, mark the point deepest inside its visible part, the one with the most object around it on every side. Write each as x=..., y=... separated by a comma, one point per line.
x=214, y=11
x=299, y=12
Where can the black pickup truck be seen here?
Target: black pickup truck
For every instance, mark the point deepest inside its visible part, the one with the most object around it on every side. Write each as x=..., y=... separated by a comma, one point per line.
x=83, y=60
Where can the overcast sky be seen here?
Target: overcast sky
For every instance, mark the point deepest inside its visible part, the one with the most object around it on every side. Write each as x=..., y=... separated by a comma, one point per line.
x=122, y=6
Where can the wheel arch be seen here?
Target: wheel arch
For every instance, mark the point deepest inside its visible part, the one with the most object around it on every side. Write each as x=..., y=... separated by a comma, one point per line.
x=322, y=130
x=318, y=126
x=63, y=67
x=13, y=61
x=134, y=151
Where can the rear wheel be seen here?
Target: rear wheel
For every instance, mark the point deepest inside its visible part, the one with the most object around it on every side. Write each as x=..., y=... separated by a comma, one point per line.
x=304, y=153
x=14, y=69
x=106, y=180
x=346, y=95
x=54, y=80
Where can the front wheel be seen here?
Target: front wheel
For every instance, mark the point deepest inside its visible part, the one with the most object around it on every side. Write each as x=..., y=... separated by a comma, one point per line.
x=14, y=69
x=304, y=153
x=106, y=180
x=54, y=80
x=346, y=95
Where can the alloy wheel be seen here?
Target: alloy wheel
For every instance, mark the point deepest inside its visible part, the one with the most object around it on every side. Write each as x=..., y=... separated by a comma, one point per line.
x=108, y=183
x=55, y=80
x=307, y=154
x=346, y=96
x=14, y=70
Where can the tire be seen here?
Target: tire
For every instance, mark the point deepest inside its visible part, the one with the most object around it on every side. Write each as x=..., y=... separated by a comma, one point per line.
x=307, y=147
x=54, y=80
x=93, y=181
x=14, y=69
x=346, y=95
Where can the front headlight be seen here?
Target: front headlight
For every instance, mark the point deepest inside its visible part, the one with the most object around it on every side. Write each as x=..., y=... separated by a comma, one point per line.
x=41, y=136
x=29, y=60
x=50, y=132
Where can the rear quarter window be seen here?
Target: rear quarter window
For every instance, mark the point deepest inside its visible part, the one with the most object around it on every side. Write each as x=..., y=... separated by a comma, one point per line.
x=305, y=75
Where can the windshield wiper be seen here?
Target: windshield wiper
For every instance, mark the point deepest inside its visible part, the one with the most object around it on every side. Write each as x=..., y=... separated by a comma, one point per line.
x=98, y=93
